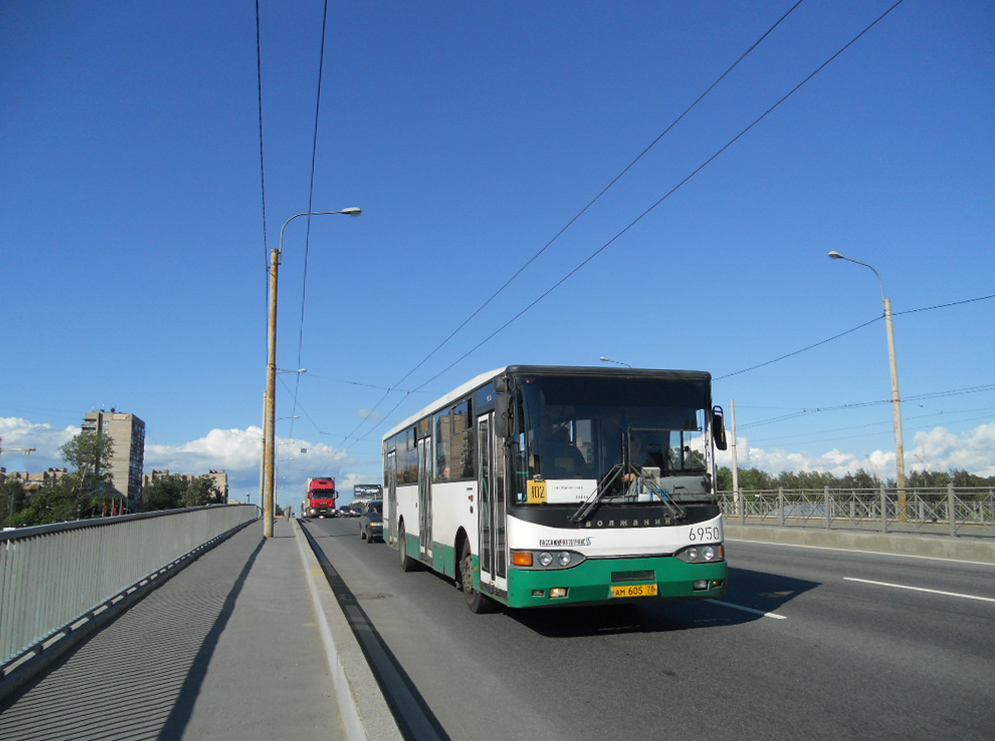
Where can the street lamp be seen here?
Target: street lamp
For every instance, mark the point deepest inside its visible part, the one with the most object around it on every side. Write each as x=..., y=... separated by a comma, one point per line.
x=269, y=421
x=896, y=401
x=603, y=359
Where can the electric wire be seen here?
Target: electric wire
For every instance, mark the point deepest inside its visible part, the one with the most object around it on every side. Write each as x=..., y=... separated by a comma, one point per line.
x=876, y=402
x=673, y=190
x=798, y=352
x=944, y=306
x=605, y=189
x=882, y=425
x=641, y=216
x=583, y=211
x=794, y=413
x=853, y=329
x=259, y=106
x=310, y=208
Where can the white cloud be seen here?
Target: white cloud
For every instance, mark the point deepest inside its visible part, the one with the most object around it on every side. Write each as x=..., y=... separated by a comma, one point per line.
x=937, y=450
x=942, y=450
x=45, y=439
x=219, y=449
x=238, y=453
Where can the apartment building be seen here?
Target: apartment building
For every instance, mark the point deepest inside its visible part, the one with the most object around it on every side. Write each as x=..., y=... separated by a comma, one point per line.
x=127, y=432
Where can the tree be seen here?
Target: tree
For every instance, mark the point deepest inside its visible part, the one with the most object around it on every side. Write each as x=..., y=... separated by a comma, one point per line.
x=165, y=492
x=11, y=499
x=55, y=503
x=176, y=491
x=754, y=479
x=723, y=479
x=89, y=452
x=199, y=492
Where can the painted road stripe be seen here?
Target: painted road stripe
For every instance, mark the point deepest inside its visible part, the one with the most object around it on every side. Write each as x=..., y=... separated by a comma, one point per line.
x=919, y=589
x=748, y=609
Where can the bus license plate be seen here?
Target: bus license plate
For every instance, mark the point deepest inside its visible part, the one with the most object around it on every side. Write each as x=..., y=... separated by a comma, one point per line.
x=635, y=590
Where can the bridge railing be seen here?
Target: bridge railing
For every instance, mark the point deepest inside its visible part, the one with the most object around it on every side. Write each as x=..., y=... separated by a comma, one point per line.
x=54, y=577
x=951, y=511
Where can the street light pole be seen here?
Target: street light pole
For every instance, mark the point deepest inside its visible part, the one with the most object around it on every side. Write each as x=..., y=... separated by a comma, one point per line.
x=896, y=399
x=262, y=458
x=269, y=416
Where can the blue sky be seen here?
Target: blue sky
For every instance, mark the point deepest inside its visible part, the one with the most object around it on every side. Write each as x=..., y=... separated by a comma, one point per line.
x=471, y=134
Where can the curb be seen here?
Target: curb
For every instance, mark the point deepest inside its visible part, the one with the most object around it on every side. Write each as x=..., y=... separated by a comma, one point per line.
x=362, y=706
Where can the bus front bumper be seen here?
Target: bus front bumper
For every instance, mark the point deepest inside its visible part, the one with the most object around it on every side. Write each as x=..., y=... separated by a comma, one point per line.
x=612, y=580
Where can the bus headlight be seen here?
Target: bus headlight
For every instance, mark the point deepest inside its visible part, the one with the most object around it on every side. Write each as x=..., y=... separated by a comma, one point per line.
x=701, y=554
x=551, y=560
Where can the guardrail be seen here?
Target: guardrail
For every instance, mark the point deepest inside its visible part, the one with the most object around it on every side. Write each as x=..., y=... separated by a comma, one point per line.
x=55, y=578
x=950, y=511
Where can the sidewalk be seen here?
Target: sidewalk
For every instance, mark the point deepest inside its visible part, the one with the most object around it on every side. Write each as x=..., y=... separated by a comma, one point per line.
x=231, y=647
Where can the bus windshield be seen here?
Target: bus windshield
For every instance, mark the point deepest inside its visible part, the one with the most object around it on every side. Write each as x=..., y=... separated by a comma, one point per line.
x=645, y=429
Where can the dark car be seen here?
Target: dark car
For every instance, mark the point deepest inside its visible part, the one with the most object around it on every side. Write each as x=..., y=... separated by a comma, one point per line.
x=371, y=521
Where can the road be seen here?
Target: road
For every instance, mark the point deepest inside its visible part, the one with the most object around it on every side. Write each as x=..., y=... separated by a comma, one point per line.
x=809, y=643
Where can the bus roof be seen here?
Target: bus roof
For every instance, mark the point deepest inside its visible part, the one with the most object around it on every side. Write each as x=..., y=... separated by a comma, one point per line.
x=561, y=370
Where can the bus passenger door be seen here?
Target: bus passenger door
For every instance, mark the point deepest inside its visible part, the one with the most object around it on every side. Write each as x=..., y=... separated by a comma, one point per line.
x=425, y=499
x=390, y=508
x=491, y=509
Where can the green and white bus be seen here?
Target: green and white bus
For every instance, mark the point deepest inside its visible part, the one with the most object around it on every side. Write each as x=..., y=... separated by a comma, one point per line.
x=533, y=486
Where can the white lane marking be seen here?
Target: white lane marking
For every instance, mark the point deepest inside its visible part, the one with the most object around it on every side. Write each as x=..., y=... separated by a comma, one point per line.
x=919, y=589
x=748, y=609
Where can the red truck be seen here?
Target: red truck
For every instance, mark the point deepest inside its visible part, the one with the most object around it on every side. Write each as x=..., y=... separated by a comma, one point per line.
x=321, y=496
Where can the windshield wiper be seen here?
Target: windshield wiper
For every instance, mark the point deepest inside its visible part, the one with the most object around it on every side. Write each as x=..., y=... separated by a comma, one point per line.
x=599, y=493
x=605, y=485
x=655, y=489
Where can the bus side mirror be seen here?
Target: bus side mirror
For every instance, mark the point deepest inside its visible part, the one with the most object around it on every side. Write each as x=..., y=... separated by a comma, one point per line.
x=719, y=428
x=502, y=416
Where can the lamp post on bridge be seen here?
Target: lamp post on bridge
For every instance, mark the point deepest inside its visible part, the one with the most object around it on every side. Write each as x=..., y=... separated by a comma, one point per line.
x=269, y=407
x=896, y=399
x=603, y=359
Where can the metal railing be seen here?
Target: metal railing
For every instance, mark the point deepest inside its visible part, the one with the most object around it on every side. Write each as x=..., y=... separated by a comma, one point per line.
x=55, y=576
x=950, y=511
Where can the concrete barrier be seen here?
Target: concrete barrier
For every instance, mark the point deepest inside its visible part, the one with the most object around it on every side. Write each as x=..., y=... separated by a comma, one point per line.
x=977, y=550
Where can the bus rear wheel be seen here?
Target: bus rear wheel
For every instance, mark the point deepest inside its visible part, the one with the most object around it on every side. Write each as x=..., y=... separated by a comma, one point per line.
x=407, y=562
x=477, y=602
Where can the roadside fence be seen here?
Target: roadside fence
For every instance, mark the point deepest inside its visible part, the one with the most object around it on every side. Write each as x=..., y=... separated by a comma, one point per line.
x=950, y=511
x=55, y=579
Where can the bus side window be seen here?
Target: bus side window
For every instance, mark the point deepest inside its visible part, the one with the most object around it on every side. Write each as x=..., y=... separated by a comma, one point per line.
x=442, y=435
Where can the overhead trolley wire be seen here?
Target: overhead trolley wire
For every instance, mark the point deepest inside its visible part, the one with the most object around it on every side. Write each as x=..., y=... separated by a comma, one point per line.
x=310, y=208
x=673, y=190
x=570, y=224
x=259, y=106
x=605, y=189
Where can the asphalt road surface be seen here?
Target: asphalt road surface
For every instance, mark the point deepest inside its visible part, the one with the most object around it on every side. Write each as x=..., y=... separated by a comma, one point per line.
x=808, y=644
